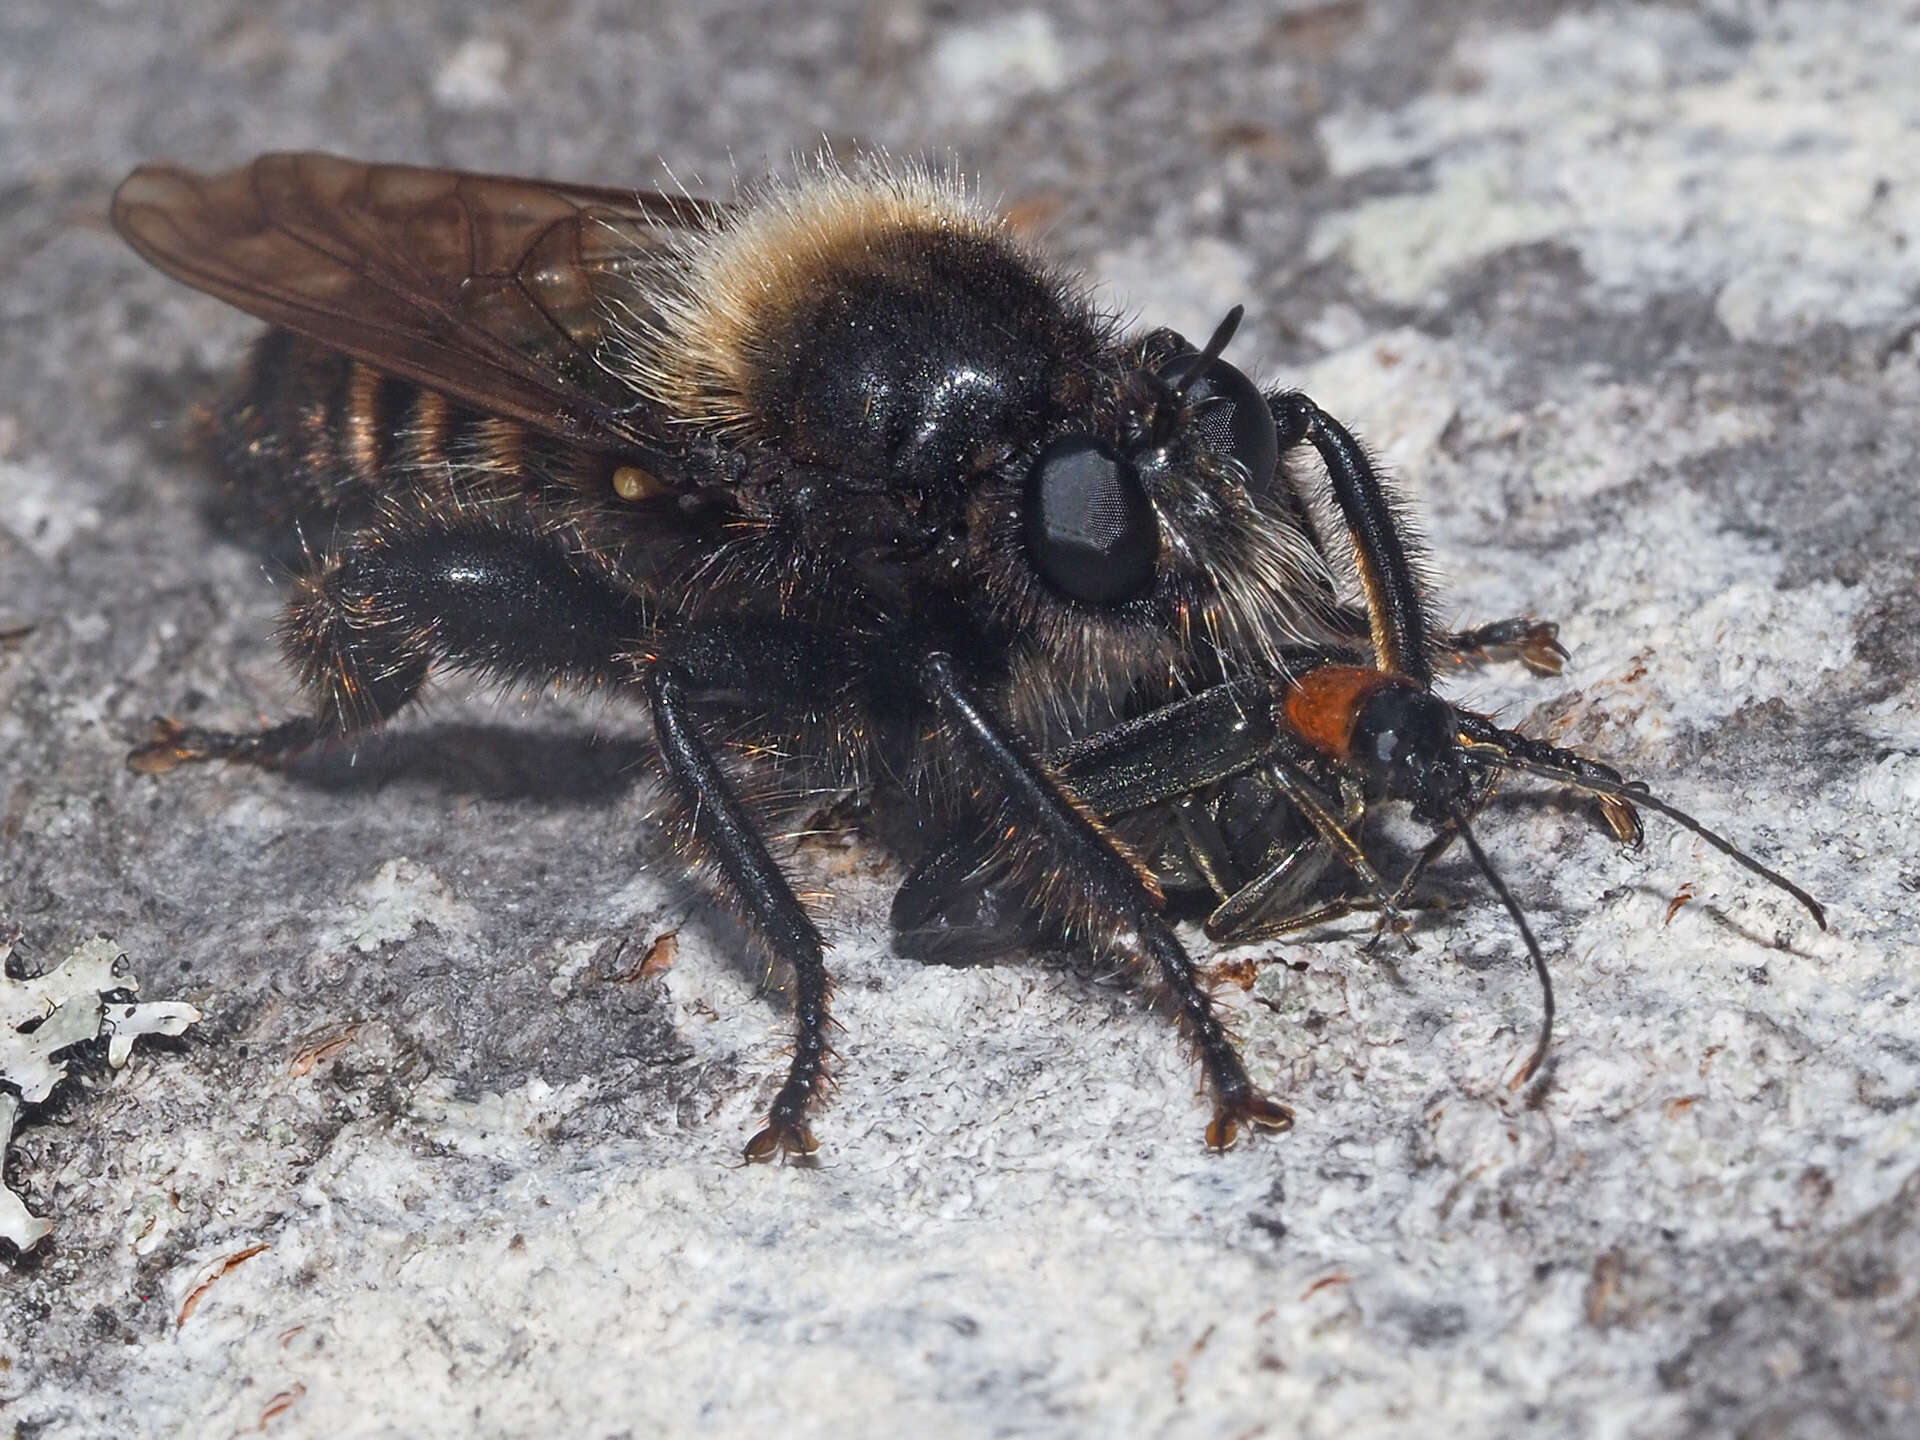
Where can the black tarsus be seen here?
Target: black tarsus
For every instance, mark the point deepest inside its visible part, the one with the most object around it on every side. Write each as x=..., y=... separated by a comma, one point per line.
x=1534, y=643
x=172, y=743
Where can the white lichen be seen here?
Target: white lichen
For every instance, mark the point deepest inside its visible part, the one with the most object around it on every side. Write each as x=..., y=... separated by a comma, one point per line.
x=45, y=1016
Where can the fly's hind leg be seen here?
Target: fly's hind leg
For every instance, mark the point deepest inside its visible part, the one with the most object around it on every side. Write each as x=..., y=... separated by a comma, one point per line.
x=173, y=744
x=369, y=621
x=346, y=637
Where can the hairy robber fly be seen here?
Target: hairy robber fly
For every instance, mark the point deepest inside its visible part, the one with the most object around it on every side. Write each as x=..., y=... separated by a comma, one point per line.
x=849, y=475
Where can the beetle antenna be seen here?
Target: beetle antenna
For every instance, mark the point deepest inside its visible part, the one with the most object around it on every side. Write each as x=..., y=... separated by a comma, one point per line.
x=1638, y=795
x=1532, y=1067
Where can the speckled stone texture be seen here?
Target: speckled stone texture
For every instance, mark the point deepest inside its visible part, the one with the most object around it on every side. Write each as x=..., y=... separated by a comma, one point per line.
x=1626, y=296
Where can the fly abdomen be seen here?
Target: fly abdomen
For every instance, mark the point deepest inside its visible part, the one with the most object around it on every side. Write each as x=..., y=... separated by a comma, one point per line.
x=314, y=436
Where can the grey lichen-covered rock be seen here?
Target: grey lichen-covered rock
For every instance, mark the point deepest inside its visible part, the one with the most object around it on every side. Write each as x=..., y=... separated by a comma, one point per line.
x=1627, y=298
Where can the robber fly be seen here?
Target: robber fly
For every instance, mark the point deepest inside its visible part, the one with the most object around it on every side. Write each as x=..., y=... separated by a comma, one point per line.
x=845, y=472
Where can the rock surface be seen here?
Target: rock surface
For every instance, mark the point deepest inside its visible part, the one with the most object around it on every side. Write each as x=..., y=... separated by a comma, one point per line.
x=1627, y=297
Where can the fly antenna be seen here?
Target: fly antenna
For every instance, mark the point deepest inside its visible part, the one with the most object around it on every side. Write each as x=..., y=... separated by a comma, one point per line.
x=1532, y=1067
x=1203, y=362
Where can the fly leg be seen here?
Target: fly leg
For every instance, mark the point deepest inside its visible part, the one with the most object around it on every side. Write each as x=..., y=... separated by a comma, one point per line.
x=1119, y=898
x=369, y=622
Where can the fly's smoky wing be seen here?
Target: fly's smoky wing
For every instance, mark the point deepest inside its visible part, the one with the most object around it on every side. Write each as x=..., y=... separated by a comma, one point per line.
x=492, y=290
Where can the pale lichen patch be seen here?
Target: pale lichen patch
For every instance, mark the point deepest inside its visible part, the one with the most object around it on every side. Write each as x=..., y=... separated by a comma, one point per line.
x=43, y=1017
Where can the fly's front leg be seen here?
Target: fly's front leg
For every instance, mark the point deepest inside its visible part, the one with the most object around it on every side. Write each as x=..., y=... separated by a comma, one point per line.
x=1386, y=556
x=1120, y=899
x=1534, y=643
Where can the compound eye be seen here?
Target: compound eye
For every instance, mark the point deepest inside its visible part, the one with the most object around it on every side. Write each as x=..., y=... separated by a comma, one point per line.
x=1090, y=527
x=1230, y=415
